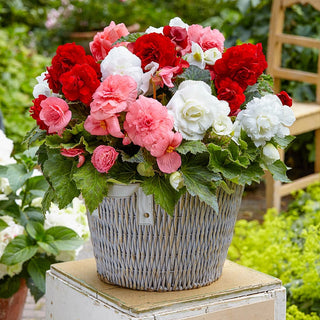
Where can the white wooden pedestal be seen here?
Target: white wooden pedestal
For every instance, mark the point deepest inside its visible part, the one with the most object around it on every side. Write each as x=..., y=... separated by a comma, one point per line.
x=74, y=292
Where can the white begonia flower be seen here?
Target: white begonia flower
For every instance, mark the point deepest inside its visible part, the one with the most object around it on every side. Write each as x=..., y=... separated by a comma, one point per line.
x=177, y=22
x=194, y=109
x=6, y=235
x=265, y=118
x=211, y=56
x=123, y=62
x=222, y=124
x=154, y=30
x=42, y=87
x=6, y=147
x=196, y=57
x=176, y=180
x=236, y=132
x=270, y=153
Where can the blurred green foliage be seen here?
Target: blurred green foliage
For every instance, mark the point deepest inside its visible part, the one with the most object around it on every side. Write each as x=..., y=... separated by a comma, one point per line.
x=287, y=246
x=19, y=66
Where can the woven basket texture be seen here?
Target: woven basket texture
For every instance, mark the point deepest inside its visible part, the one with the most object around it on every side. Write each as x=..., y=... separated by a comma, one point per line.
x=181, y=252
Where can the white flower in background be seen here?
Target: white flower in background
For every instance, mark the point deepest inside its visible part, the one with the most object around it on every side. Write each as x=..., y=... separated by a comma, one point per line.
x=270, y=153
x=212, y=55
x=37, y=202
x=5, y=189
x=265, y=118
x=196, y=57
x=177, y=22
x=194, y=109
x=73, y=217
x=222, y=124
x=176, y=180
x=6, y=147
x=123, y=62
x=6, y=235
x=42, y=87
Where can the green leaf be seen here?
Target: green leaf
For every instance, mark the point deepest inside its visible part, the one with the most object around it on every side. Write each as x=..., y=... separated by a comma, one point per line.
x=163, y=193
x=47, y=244
x=68, y=139
x=35, y=134
x=199, y=179
x=49, y=197
x=9, y=286
x=17, y=175
x=137, y=158
x=3, y=225
x=42, y=154
x=34, y=290
x=93, y=185
x=251, y=92
x=283, y=142
x=195, y=73
x=64, y=238
x=35, y=230
x=265, y=84
x=192, y=146
x=132, y=37
x=19, y=249
x=34, y=214
x=37, y=269
x=60, y=169
x=125, y=172
x=239, y=171
x=50, y=248
x=279, y=171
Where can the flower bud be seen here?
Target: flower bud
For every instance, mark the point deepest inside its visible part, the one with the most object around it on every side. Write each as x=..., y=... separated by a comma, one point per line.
x=145, y=170
x=270, y=153
x=176, y=180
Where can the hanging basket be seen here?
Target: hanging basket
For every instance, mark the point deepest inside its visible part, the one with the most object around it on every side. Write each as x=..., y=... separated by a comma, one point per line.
x=138, y=245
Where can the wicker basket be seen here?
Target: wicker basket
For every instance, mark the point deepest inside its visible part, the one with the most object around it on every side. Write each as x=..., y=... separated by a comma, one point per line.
x=181, y=252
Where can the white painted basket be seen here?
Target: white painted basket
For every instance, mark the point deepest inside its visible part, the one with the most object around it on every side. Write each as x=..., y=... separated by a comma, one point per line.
x=138, y=245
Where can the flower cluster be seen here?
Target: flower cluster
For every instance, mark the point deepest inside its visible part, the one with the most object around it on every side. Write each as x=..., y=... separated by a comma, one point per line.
x=29, y=240
x=170, y=108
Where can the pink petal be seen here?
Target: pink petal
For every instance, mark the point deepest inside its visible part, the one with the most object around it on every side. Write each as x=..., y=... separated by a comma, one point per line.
x=81, y=160
x=114, y=127
x=169, y=162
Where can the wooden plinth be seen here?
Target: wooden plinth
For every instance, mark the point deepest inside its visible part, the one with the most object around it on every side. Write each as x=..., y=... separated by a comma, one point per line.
x=74, y=292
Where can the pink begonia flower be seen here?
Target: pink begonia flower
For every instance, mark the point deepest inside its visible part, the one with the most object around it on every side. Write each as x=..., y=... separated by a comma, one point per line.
x=73, y=152
x=103, y=158
x=113, y=96
x=168, y=159
x=166, y=75
x=55, y=114
x=103, y=127
x=206, y=37
x=146, y=120
x=102, y=41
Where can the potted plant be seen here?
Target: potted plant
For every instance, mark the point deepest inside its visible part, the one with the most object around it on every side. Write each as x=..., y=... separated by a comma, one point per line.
x=179, y=120
x=31, y=241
